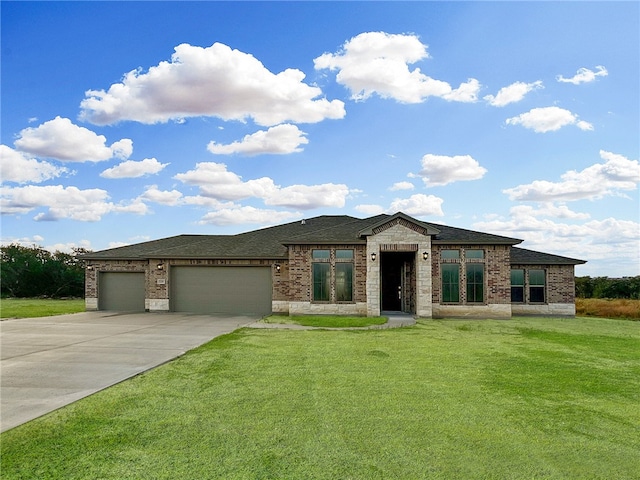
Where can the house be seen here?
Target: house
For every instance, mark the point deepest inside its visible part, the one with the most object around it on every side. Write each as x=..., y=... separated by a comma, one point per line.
x=335, y=265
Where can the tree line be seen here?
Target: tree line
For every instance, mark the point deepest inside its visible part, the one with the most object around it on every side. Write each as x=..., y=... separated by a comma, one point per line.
x=605, y=287
x=36, y=272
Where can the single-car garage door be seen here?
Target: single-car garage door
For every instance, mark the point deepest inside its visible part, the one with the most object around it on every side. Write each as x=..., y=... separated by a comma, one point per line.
x=121, y=291
x=227, y=290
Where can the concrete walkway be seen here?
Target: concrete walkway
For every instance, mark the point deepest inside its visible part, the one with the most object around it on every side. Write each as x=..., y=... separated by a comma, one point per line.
x=49, y=362
x=394, y=320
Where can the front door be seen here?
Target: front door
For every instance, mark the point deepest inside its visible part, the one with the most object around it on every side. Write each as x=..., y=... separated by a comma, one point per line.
x=396, y=281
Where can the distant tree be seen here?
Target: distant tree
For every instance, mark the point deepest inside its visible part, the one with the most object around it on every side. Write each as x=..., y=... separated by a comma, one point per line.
x=34, y=271
x=605, y=287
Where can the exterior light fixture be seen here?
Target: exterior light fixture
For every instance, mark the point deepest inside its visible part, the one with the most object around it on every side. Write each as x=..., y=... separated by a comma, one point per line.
x=425, y=255
x=160, y=266
x=373, y=256
x=277, y=266
x=89, y=267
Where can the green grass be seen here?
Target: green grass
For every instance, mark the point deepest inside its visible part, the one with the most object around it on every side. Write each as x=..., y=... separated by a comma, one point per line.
x=38, y=307
x=326, y=321
x=527, y=398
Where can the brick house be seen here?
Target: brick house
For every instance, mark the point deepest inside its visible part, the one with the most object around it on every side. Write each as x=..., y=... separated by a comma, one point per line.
x=335, y=265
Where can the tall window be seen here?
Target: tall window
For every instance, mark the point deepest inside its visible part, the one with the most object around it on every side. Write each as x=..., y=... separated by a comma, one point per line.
x=344, y=275
x=536, y=286
x=517, y=285
x=450, y=282
x=475, y=282
x=321, y=275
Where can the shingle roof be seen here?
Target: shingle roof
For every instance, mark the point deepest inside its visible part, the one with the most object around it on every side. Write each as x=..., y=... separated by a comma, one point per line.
x=271, y=242
x=522, y=256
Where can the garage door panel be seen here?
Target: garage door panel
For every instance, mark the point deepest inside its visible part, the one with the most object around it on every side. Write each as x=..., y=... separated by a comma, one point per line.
x=121, y=291
x=226, y=290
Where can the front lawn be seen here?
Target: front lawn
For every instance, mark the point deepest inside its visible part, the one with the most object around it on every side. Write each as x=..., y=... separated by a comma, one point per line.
x=38, y=307
x=526, y=398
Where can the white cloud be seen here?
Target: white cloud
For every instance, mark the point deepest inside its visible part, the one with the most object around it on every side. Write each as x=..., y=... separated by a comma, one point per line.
x=279, y=140
x=215, y=181
x=601, y=179
x=64, y=202
x=309, y=196
x=402, y=186
x=418, y=205
x=68, y=247
x=163, y=197
x=584, y=75
x=513, y=93
x=442, y=170
x=213, y=81
x=377, y=62
x=61, y=139
x=370, y=209
x=19, y=167
x=548, y=119
x=133, y=169
x=608, y=245
x=247, y=215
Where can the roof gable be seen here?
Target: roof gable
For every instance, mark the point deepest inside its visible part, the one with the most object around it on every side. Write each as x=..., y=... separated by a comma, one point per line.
x=398, y=219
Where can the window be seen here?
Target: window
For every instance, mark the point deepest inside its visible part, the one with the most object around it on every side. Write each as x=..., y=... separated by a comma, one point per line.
x=321, y=254
x=517, y=286
x=332, y=275
x=536, y=286
x=450, y=254
x=475, y=282
x=450, y=283
x=321, y=282
x=344, y=282
x=474, y=253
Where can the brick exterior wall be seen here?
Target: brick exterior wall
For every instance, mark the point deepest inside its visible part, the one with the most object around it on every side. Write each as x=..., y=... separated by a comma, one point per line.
x=497, y=272
x=292, y=284
x=300, y=275
x=158, y=280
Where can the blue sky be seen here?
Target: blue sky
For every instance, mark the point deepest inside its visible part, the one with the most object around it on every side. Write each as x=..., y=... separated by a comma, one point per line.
x=129, y=121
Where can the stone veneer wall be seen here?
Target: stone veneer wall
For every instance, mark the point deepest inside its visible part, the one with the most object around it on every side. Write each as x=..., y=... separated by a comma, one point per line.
x=399, y=233
x=497, y=270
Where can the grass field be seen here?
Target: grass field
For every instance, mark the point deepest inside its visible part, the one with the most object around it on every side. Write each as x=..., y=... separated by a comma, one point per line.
x=526, y=398
x=38, y=307
x=608, y=308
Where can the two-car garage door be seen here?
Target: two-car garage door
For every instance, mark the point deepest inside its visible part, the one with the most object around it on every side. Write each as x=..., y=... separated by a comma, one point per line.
x=226, y=290
x=206, y=290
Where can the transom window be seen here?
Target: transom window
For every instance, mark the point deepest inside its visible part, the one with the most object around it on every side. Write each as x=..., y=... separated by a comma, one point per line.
x=449, y=254
x=474, y=253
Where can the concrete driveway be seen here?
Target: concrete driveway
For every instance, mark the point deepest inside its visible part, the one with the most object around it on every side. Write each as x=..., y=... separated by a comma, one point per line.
x=49, y=362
